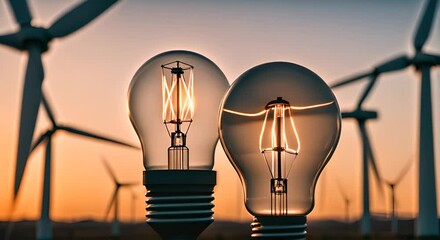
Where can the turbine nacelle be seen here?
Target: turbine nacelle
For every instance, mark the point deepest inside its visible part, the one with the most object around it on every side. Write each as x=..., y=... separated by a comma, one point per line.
x=360, y=115
x=421, y=58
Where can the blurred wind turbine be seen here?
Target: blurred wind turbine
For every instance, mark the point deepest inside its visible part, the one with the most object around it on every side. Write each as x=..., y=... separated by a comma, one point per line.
x=346, y=202
x=423, y=62
x=362, y=116
x=392, y=185
x=323, y=185
x=114, y=202
x=44, y=224
x=35, y=41
x=134, y=197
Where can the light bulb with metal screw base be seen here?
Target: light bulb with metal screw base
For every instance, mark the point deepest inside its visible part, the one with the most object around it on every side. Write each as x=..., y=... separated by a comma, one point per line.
x=173, y=102
x=279, y=125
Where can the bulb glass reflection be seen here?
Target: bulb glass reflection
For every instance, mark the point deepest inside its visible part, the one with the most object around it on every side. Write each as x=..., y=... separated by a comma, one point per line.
x=279, y=125
x=173, y=106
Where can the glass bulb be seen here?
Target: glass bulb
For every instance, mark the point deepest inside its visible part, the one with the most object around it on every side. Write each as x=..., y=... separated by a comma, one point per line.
x=279, y=126
x=173, y=101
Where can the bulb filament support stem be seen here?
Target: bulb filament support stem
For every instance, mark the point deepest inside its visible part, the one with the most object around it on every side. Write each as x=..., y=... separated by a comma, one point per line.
x=178, y=110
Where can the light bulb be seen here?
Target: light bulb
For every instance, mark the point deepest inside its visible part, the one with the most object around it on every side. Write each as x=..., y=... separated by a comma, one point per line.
x=173, y=106
x=173, y=101
x=279, y=125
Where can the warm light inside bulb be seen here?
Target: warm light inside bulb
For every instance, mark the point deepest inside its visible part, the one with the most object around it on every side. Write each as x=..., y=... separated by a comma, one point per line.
x=279, y=142
x=152, y=103
x=279, y=125
x=280, y=145
x=177, y=110
x=177, y=92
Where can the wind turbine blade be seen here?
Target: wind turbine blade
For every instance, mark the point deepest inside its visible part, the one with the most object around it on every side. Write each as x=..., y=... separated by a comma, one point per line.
x=21, y=12
x=394, y=64
x=373, y=78
x=109, y=170
x=403, y=172
x=351, y=80
x=91, y=135
x=425, y=25
x=112, y=201
x=39, y=141
x=129, y=184
x=29, y=111
x=372, y=159
x=79, y=17
x=11, y=40
x=48, y=110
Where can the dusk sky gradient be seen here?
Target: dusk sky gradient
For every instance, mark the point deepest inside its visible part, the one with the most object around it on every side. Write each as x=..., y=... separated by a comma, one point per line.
x=88, y=73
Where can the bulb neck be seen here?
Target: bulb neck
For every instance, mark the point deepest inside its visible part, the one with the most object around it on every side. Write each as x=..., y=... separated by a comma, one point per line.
x=178, y=139
x=178, y=153
x=279, y=227
x=278, y=200
x=179, y=203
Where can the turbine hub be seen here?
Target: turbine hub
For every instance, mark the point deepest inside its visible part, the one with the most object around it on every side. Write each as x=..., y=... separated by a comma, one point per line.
x=30, y=35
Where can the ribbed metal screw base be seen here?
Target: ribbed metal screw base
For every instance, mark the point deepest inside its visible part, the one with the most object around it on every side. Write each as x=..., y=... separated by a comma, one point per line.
x=279, y=227
x=179, y=202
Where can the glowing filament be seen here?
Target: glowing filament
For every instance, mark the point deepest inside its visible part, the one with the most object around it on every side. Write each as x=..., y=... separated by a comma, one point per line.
x=177, y=109
x=178, y=97
x=280, y=145
x=279, y=142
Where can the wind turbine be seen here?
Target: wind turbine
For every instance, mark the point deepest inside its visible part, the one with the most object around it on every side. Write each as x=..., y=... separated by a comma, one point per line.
x=347, y=202
x=423, y=62
x=114, y=202
x=35, y=41
x=392, y=185
x=362, y=116
x=134, y=197
x=44, y=224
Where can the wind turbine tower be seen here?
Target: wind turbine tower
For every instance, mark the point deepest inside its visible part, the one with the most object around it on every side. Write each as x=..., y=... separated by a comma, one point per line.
x=347, y=202
x=427, y=221
x=362, y=116
x=392, y=186
x=114, y=202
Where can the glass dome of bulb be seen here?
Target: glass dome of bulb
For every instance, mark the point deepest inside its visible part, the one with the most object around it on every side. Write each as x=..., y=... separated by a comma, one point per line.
x=279, y=125
x=206, y=87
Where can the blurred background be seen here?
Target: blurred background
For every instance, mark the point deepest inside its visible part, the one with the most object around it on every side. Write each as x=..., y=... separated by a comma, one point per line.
x=87, y=76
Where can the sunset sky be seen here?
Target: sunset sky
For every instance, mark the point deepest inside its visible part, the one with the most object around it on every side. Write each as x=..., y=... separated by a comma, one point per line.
x=88, y=73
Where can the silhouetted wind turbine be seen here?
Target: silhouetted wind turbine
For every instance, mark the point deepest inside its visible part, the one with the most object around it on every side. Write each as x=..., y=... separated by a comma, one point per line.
x=44, y=224
x=362, y=116
x=346, y=202
x=114, y=202
x=35, y=41
x=323, y=186
x=134, y=197
x=427, y=219
x=392, y=185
